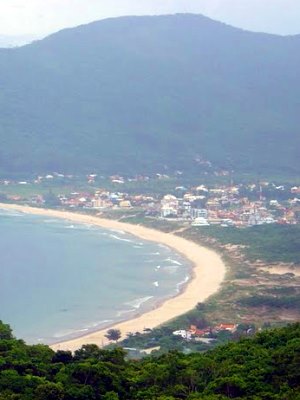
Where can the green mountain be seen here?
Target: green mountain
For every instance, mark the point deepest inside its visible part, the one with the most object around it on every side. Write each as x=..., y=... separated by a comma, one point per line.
x=139, y=94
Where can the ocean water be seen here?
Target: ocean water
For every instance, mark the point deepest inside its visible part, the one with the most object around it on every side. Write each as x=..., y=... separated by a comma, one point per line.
x=59, y=279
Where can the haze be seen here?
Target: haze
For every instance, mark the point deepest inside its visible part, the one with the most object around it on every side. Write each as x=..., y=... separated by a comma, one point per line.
x=38, y=18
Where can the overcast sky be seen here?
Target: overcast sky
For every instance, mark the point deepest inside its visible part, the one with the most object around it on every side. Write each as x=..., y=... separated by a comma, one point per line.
x=41, y=17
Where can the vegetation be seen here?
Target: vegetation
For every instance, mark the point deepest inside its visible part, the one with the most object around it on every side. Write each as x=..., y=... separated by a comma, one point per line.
x=269, y=243
x=138, y=94
x=250, y=297
x=291, y=302
x=264, y=367
x=113, y=334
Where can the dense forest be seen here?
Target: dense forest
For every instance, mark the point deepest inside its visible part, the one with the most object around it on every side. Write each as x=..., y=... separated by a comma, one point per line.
x=151, y=94
x=264, y=367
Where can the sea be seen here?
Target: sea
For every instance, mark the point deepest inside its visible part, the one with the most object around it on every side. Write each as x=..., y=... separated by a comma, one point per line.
x=60, y=280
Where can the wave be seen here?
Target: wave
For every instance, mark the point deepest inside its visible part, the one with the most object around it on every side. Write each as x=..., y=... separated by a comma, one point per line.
x=186, y=279
x=169, y=259
x=69, y=332
x=163, y=246
x=118, y=238
x=82, y=227
x=156, y=284
x=158, y=267
x=90, y=227
x=136, y=304
x=118, y=231
x=51, y=221
x=98, y=323
x=103, y=233
x=5, y=213
x=122, y=312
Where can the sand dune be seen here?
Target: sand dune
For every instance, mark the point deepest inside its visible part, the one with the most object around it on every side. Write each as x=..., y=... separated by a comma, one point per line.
x=207, y=275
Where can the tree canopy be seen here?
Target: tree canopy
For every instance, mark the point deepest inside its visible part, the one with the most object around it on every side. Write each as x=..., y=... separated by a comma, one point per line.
x=263, y=367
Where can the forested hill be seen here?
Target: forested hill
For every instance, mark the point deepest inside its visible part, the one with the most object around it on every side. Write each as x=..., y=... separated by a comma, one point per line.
x=138, y=94
x=265, y=367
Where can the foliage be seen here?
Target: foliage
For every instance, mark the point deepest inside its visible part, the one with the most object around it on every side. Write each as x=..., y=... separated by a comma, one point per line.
x=138, y=94
x=269, y=243
x=263, y=367
x=5, y=331
x=113, y=334
x=291, y=302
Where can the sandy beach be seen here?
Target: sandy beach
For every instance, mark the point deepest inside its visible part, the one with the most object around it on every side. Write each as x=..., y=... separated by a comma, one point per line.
x=207, y=275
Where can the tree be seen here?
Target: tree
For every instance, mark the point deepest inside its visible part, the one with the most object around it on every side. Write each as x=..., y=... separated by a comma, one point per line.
x=113, y=334
x=51, y=200
x=110, y=396
x=88, y=351
x=49, y=391
x=5, y=331
x=62, y=356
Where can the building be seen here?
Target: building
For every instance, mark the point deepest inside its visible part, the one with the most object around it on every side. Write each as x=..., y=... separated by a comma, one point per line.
x=200, y=222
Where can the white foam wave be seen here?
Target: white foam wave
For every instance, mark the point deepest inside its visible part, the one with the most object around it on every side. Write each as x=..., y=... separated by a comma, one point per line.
x=103, y=233
x=118, y=231
x=186, y=279
x=158, y=267
x=163, y=246
x=122, y=312
x=156, y=284
x=72, y=332
x=98, y=323
x=69, y=332
x=118, y=238
x=169, y=259
x=138, y=302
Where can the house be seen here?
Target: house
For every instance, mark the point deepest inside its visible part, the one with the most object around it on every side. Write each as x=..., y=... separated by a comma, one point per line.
x=183, y=333
x=199, y=332
x=169, y=206
x=199, y=212
x=200, y=222
x=226, y=327
x=125, y=204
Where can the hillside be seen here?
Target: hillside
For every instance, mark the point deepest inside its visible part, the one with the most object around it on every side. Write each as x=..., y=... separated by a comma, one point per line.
x=138, y=94
x=263, y=367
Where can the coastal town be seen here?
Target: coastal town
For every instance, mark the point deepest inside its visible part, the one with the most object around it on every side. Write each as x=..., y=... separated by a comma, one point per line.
x=239, y=205
x=245, y=305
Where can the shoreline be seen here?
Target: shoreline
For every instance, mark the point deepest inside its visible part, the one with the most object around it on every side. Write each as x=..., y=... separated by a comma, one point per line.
x=207, y=274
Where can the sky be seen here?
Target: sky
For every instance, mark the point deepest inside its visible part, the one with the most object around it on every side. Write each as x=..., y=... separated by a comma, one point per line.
x=42, y=17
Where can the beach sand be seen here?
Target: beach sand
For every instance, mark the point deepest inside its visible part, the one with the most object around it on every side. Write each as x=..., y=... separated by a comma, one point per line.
x=207, y=275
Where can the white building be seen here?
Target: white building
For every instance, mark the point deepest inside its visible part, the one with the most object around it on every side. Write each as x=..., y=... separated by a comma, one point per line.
x=200, y=222
x=184, y=334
